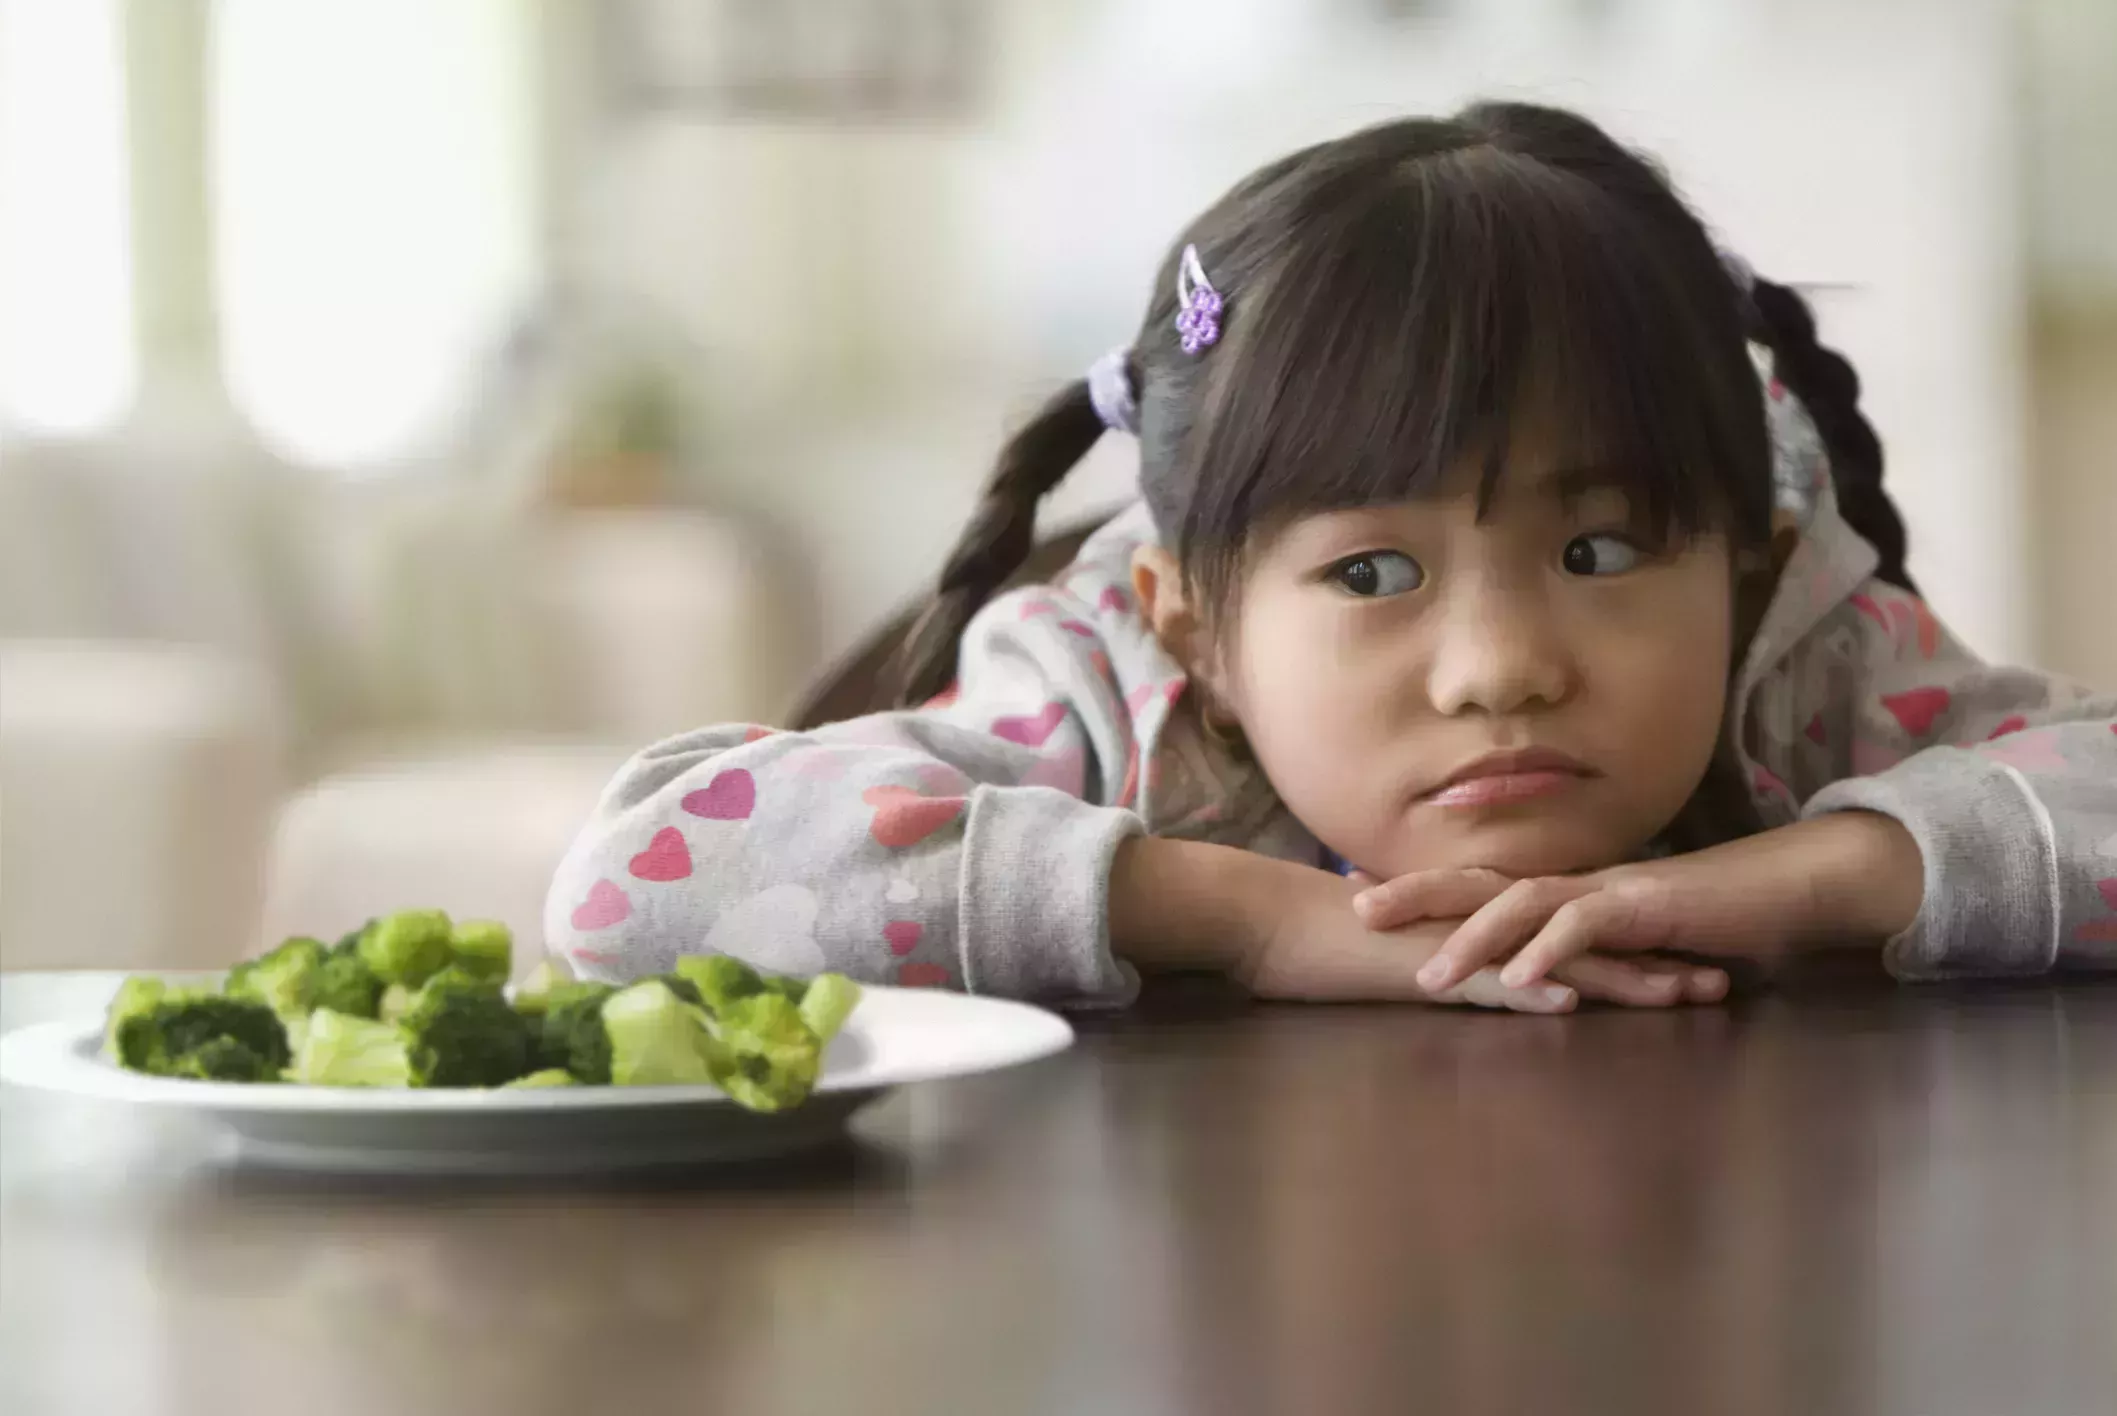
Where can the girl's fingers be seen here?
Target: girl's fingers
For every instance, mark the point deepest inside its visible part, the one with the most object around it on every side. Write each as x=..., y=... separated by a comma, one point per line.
x=1622, y=981
x=1704, y=985
x=1483, y=989
x=1362, y=966
x=1382, y=969
x=1428, y=894
x=1603, y=918
x=1498, y=928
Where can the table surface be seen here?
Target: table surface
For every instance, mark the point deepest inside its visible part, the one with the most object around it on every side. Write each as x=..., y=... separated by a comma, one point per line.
x=1824, y=1199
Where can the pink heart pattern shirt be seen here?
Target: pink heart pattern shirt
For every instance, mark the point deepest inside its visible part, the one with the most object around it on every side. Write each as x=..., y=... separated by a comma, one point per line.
x=968, y=845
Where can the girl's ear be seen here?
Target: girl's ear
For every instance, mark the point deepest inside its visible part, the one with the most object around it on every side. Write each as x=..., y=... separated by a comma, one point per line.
x=1157, y=583
x=1166, y=605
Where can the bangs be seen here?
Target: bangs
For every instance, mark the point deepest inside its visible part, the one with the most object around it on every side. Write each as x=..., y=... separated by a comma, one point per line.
x=1447, y=318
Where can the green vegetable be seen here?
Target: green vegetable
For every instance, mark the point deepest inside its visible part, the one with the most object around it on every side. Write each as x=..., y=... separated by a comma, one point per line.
x=571, y=1034
x=342, y=1051
x=535, y=991
x=458, y=977
x=408, y=947
x=395, y=1002
x=160, y=1036
x=827, y=1002
x=682, y=987
x=549, y=1077
x=223, y=1059
x=344, y=982
x=720, y=980
x=461, y=1036
x=283, y=979
x=772, y=1056
x=412, y=1000
x=656, y=1039
x=485, y=948
x=136, y=998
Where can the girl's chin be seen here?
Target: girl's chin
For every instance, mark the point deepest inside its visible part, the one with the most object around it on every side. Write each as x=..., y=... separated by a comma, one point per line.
x=1521, y=850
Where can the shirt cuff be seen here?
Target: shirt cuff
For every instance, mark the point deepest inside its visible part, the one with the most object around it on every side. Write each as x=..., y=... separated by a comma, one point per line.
x=1034, y=915
x=1991, y=864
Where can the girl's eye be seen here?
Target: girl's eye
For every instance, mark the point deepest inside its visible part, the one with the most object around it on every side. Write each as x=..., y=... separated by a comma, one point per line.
x=1602, y=554
x=1378, y=574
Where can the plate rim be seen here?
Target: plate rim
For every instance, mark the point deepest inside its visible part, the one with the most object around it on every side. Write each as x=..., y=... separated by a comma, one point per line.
x=64, y=1056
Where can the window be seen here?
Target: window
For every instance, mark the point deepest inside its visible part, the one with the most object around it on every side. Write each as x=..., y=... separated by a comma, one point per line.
x=68, y=349
x=374, y=218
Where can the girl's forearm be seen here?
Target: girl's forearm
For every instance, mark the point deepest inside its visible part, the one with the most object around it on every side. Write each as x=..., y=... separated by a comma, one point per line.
x=1850, y=878
x=1873, y=876
x=1187, y=905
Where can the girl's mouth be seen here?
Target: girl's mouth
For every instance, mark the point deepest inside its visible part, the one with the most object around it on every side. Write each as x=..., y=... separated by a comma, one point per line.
x=1501, y=778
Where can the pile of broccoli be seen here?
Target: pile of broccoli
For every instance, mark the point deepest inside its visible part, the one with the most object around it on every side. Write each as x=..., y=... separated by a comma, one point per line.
x=416, y=1000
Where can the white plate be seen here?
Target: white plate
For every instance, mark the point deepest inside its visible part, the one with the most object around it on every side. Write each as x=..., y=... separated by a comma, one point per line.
x=896, y=1036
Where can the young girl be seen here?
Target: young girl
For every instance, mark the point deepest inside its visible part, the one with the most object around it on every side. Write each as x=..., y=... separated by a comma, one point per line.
x=1511, y=608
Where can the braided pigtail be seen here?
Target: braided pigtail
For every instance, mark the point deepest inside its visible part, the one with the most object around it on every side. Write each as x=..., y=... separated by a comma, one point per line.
x=1827, y=386
x=1001, y=533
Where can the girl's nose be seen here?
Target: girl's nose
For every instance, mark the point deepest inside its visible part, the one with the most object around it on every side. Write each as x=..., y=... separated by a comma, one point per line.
x=1499, y=652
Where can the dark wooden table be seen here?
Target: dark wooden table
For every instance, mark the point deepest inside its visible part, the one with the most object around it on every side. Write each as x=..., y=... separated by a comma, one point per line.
x=1822, y=1200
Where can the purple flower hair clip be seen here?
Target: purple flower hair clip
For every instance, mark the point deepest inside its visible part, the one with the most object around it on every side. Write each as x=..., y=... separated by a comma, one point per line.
x=1198, y=315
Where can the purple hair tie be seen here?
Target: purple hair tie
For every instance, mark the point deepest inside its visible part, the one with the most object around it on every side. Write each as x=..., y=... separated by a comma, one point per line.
x=1198, y=319
x=1110, y=390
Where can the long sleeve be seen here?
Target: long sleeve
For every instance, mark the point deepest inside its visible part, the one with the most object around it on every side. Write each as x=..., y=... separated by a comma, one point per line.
x=967, y=845
x=2006, y=778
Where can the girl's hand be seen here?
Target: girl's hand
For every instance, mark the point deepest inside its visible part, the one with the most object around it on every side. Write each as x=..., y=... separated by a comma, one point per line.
x=1315, y=946
x=1849, y=877
x=1290, y=931
x=1453, y=895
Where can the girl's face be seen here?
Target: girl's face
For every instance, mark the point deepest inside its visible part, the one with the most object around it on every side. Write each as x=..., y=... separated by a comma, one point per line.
x=1538, y=692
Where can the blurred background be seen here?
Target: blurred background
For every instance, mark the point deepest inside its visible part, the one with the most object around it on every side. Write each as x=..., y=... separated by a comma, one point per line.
x=409, y=407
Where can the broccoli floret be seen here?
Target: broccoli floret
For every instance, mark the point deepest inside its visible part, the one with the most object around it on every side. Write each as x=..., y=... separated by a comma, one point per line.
x=223, y=1059
x=161, y=1035
x=774, y=1055
x=283, y=979
x=342, y=1051
x=345, y=984
x=656, y=1039
x=685, y=990
x=395, y=1002
x=534, y=995
x=408, y=947
x=136, y=998
x=571, y=1034
x=456, y=977
x=461, y=1036
x=719, y=979
x=485, y=948
x=826, y=1003
x=549, y=1077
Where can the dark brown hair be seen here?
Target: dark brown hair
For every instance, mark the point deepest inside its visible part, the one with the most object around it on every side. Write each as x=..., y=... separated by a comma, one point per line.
x=1408, y=297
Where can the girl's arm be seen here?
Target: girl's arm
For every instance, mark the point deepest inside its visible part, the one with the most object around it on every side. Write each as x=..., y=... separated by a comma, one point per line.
x=2005, y=779
x=967, y=845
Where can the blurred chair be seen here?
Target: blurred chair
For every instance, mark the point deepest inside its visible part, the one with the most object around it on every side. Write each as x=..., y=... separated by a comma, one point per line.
x=137, y=786
x=858, y=683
